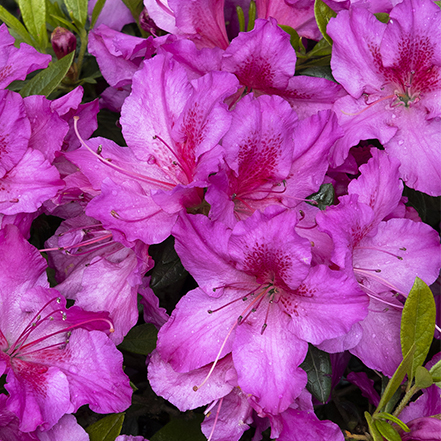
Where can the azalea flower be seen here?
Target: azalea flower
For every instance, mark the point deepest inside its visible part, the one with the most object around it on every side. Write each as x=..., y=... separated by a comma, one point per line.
x=258, y=294
x=392, y=73
x=55, y=358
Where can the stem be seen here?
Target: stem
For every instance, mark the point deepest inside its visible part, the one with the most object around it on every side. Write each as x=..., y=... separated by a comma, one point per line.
x=84, y=39
x=405, y=399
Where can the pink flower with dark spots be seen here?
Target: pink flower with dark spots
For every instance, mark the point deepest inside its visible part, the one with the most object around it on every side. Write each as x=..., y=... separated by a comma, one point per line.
x=393, y=75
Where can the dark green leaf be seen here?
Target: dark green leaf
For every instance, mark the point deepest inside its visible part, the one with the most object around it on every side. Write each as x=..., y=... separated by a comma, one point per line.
x=423, y=378
x=295, y=39
x=387, y=431
x=324, y=197
x=181, y=430
x=97, y=11
x=321, y=49
x=107, y=428
x=323, y=13
x=372, y=427
x=394, y=419
x=397, y=378
x=382, y=16
x=435, y=371
x=317, y=365
x=48, y=79
x=135, y=7
x=34, y=18
x=418, y=323
x=15, y=25
x=77, y=10
x=140, y=339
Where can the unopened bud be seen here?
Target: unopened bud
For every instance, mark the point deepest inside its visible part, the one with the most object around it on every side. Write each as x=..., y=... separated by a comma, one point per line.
x=63, y=42
x=146, y=23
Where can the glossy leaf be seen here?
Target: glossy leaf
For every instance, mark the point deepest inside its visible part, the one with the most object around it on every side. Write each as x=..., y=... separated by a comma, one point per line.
x=323, y=13
x=77, y=9
x=107, y=428
x=317, y=365
x=99, y=5
x=397, y=378
x=435, y=371
x=140, y=339
x=15, y=25
x=423, y=378
x=295, y=39
x=324, y=197
x=372, y=427
x=48, y=79
x=393, y=418
x=181, y=430
x=418, y=323
x=387, y=431
x=34, y=18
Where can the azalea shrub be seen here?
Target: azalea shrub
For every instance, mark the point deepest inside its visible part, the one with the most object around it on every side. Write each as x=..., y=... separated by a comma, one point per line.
x=220, y=220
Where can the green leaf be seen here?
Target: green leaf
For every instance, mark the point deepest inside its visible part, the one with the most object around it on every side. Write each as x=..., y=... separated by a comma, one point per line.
x=423, y=378
x=135, y=7
x=396, y=379
x=438, y=2
x=53, y=10
x=321, y=49
x=34, y=18
x=240, y=18
x=251, y=16
x=97, y=11
x=317, y=365
x=107, y=428
x=181, y=430
x=435, y=371
x=324, y=197
x=64, y=23
x=48, y=79
x=140, y=339
x=418, y=323
x=382, y=16
x=295, y=39
x=15, y=25
x=77, y=9
x=387, y=431
x=323, y=13
x=394, y=419
x=372, y=427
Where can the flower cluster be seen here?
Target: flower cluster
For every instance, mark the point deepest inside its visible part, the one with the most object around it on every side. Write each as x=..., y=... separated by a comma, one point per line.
x=280, y=181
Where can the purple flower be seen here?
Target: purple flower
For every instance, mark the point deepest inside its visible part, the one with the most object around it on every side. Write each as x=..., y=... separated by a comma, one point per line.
x=258, y=294
x=392, y=73
x=55, y=359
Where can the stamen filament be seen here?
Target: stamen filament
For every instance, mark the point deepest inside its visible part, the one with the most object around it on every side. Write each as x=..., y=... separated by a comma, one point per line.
x=369, y=106
x=215, y=420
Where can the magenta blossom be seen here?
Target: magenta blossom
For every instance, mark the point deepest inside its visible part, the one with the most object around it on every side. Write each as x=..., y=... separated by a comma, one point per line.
x=56, y=359
x=258, y=293
x=392, y=73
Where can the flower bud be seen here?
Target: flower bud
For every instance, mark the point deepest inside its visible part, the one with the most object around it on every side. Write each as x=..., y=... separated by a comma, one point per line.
x=63, y=42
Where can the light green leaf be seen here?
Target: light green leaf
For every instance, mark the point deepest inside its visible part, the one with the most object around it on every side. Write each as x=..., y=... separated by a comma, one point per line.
x=295, y=39
x=77, y=9
x=387, y=431
x=423, y=378
x=323, y=13
x=15, y=25
x=64, y=23
x=53, y=10
x=396, y=379
x=107, y=428
x=181, y=430
x=418, y=323
x=317, y=365
x=394, y=419
x=241, y=18
x=435, y=371
x=48, y=79
x=99, y=5
x=34, y=17
x=140, y=339
x=372, y=427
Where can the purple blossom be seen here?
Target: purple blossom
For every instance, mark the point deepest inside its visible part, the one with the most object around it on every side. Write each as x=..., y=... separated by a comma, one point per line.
x=392, y=73
x=55, y=359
